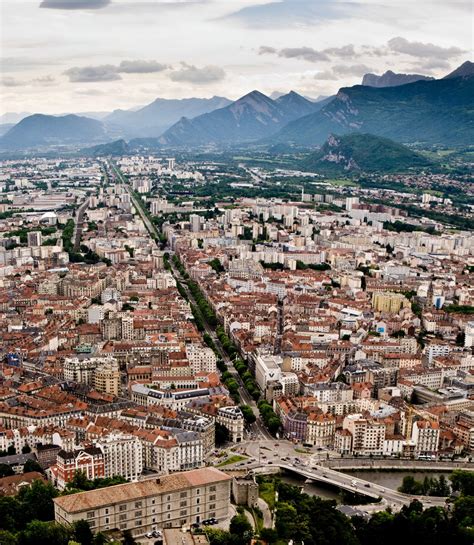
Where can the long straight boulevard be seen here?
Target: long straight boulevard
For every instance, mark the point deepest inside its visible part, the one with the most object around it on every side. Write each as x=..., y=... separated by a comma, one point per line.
x=257, y=429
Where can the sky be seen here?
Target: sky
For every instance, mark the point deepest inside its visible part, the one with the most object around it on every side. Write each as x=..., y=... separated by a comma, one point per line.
x=60, y=56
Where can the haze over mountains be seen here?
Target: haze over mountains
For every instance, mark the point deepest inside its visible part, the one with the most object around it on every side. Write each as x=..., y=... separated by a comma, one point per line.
x=425, y=110
x=155, y=118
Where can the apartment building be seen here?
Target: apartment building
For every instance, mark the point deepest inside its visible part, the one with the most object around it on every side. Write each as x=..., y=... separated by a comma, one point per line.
x=122, y=455
x=367, y=435
x=425, y=435
x=164, y=502
x=201, y=358
x=89, y=460
x=320, y=430
x=232, y=419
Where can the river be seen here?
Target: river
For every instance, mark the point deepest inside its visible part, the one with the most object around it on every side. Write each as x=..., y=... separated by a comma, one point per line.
x=390, y=479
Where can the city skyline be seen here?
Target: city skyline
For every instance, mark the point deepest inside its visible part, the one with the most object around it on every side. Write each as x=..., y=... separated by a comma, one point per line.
x=62, y=56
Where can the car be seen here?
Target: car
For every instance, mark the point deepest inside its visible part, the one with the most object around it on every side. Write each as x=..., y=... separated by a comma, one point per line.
x=367, y=485
x=269, y=462
x=213, y=521
x=195, y=525
x=149, y=535
x=156, y=533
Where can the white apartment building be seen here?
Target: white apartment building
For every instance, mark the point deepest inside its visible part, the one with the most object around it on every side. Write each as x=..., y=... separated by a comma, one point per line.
x=267, y=368
x=425, y=435
x=122, y=455
x=201, y=358
x=367, y=435
x=232, y=419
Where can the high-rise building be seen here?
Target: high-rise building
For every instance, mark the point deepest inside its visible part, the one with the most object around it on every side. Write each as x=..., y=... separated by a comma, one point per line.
x=34, y=238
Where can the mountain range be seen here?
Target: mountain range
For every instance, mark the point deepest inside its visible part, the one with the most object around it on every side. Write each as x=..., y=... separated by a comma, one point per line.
x=153, y=119
x=391, y=79
x=437, y=111
x=45, y=130
x=362, y=152
x=426, y=110
x=252, y=117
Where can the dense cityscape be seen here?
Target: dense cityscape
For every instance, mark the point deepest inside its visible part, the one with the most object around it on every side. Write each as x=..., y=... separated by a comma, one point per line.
x=149, y=331
x=236, y=272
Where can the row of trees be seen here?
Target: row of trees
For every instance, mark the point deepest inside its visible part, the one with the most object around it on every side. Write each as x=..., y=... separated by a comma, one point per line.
x=247, y=378
x=429, y=486
x=270, y=418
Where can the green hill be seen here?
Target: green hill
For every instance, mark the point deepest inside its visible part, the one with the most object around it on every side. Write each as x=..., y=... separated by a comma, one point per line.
x=363, y=152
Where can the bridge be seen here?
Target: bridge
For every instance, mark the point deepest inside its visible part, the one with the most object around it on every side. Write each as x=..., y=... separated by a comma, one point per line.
x=391, y=498
x=369, y=464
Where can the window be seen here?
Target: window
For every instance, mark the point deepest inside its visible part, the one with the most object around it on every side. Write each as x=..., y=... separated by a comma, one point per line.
x=212, y=497
x=198, y=500
x=169, y=498
x=138, y=504
x=122, y=517
x=183, y=513
x=138, y=513
x=169, y=516
x=183, y=522
x=153, y=502
x=212, y=488
x=122, y=507
x=212, y=506
x=106, y=520
x=90, y=514
x=138, y=523
x=107, y=511
x=122, y=526
x=183, y=503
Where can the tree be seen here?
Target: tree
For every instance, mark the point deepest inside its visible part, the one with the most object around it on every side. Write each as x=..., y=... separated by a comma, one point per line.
x=37, y=500
x=463, y=481
x=83, y=533
x=6, y=470
x=128, y=539
x=269, y=535
x=32, y=465
x=38, y=532
x=240, y=526
x=7, y=538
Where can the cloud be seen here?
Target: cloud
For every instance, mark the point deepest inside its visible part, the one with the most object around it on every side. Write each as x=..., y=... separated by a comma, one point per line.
x=74, y=4
x=341, y=70
x=310, y=54
x=106, y=72
x=141, y=67
x=284, y=13
x=423, y=50
x=346, y=51
x=193, y=74
x=303, y=53
x=10, y=82
x=44, y=80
